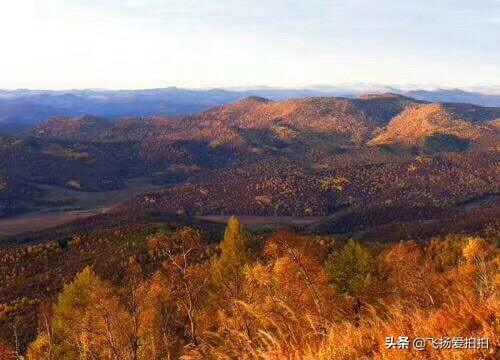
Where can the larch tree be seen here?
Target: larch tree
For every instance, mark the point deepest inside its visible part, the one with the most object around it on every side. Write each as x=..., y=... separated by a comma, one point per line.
x=228, y=273
x=228, y=266
x=88, y=322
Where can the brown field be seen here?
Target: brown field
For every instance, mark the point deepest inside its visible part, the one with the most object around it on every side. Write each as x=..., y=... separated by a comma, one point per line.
x=78, y=204
x=35, y=221
x=274, y=222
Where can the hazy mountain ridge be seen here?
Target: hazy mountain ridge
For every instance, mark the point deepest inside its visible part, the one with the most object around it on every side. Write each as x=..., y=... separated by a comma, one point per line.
x=34, y=106
x=457, y=96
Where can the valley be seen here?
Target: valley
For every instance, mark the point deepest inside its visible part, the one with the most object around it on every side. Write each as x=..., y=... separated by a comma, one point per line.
x=387, y=158
x=70, y=205
x=266, y=222
x=37, y=221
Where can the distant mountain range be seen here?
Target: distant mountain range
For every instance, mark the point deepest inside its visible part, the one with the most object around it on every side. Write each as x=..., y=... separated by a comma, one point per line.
x=21, y=108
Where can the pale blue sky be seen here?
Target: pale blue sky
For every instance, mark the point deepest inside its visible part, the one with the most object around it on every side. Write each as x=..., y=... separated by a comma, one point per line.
x=155, y=43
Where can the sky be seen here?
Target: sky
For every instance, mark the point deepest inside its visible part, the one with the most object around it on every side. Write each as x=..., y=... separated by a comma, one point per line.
x=134, y=44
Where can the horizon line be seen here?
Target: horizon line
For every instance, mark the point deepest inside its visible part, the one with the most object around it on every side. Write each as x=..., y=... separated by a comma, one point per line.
x=356, y=86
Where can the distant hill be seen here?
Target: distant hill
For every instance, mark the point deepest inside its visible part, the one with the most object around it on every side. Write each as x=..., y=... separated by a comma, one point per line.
x=254, y=122
x=250, y=123
x=456, y=96
x=259, y=125
x=33, y=106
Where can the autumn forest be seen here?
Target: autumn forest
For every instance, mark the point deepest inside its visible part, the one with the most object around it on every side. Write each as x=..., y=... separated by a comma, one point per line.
x=310, y=228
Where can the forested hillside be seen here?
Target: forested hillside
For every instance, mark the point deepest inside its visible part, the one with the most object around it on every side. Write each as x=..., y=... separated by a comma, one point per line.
x=165, y=291
x=299, y=157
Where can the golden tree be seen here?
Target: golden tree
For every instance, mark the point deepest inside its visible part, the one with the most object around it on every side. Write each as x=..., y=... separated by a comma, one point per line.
x=88, y=322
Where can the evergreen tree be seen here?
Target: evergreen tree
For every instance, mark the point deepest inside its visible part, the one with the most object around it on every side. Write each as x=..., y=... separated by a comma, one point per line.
x=351, y=268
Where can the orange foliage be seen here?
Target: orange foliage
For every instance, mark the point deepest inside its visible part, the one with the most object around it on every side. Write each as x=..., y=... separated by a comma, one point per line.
x=279, y=302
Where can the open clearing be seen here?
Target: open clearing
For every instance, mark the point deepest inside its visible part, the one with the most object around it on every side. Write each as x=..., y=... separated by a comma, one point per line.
x=77, y=205
x=273, y=222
